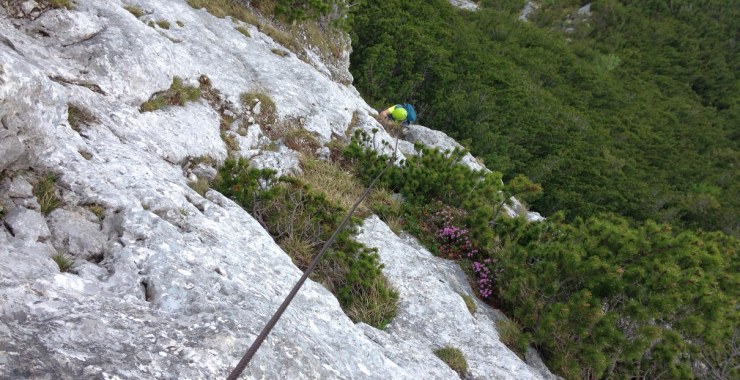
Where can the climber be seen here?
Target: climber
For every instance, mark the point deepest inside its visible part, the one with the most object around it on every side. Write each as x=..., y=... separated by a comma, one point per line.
x=400, y=113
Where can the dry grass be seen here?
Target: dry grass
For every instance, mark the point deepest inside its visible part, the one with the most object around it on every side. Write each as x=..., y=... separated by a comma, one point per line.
x=302, y=140
x=300, y=250
x=377, y=307
x=268, y=110
x=232, y=145
x=164, y=24
x=201, y=186
x=280, y=52
x=61, y=4
x=243, y=31
x=339, y=186
x=177, y=95
x=98, y=210
x=78, y=115
x=134, y=10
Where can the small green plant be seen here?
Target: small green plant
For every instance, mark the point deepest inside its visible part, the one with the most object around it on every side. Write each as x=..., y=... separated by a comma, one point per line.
x=151, y=23
x=177, y=95
x=45, y=195
x=454, y=358
x=470, y=303
x=64, y=262
x=267, y=109
x=180, y=23
x=205, y=160
x=134, y=10
x=201, y=186
x=77, y=116
x=510, y=334
x=164, y=24
x=98, y=210
x=244, y=31
x=280, y=52
x=2, y=209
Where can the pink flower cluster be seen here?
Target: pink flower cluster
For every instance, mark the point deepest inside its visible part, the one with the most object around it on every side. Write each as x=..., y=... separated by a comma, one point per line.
x=485, y=282
x=456, y=244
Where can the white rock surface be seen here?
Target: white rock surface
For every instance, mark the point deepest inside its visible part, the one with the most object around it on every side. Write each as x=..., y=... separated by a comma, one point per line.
x=465, y=4
x=185, y=283
x=434, y=314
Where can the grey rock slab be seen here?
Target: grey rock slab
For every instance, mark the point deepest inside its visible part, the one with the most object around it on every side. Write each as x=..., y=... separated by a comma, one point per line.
x=431, y=311
x=27, y=224
x=285, y=161
x=73, y=233
x=16, y=187
x=68, y=27
x=437, y=139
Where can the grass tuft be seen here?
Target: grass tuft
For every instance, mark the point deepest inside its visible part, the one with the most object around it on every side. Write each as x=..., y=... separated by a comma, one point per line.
x=232, y=145
x=61, y=4
x=268, y=110
x=98, y=210
x=63, y=261
x=177, y=95
x=470, y=303
x=180, y=23
x=164, y=24
x=280, y=52
x=339, y=186
x=243, y=31
x=201, y=186
x=77, y=116
x=454, y=358
x=44, y=192
x=134, y=10
x=510, y=334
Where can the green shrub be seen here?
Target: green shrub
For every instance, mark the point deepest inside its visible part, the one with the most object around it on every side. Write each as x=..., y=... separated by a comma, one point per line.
x=301, y=219
x=454, y=358
x=63, y=261
x=45, y=194
x=177, y=95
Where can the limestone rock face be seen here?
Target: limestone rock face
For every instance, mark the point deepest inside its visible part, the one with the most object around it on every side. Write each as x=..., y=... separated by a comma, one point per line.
x=465, y=4
x=167, y=283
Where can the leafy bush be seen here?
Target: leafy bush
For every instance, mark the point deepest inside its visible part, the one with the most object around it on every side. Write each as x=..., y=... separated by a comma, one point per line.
x=601, y=298
x=45, y=194
x=177, y=95
x=301, y=219
x=454, y=358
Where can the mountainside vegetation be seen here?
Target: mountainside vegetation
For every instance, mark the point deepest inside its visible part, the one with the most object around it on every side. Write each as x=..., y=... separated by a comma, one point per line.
x=631, y=109
x=626, y=113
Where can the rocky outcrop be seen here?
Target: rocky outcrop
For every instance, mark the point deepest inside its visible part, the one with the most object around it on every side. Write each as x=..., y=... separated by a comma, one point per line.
x=465, y=4
x=166, y=282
